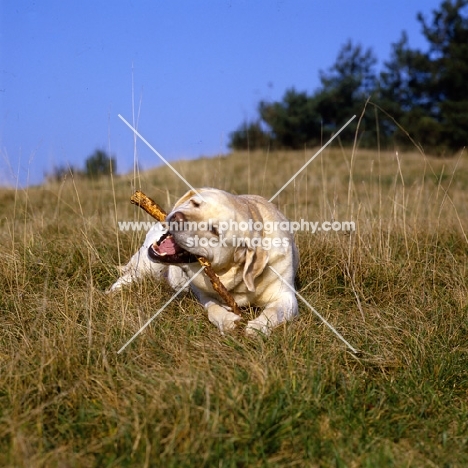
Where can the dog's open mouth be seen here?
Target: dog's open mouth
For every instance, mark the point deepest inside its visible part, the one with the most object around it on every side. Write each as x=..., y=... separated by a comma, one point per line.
x=165, y=250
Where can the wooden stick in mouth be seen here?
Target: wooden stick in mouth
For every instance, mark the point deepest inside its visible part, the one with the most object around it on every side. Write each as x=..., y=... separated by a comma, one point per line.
x=154, y=210
x=149, y=205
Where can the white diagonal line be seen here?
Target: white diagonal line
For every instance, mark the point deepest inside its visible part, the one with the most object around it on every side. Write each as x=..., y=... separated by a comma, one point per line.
x=160, y=156
x=312, y=158
x=160, y=310
x=355, y=351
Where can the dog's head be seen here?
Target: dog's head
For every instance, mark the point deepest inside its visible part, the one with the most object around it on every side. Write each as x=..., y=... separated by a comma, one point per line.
x=207, y=223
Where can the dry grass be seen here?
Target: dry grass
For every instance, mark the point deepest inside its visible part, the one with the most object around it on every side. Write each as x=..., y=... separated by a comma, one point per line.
x=181, y=395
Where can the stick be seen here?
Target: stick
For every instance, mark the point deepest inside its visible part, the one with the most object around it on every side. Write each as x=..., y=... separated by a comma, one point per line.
x=150, y=206
x=154, y=210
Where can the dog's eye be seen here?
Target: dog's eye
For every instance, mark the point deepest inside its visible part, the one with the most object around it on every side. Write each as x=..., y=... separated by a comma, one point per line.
x=195, y=203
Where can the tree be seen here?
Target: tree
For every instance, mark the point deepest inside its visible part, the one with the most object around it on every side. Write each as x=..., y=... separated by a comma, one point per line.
x=301, y=119
x=403, y=80
x=346, y=86
x=294, y=122
x=447, y=35
x=249, y=136
x=403, y=93
x=425, y=92
x=61, y=172
x=99, y=164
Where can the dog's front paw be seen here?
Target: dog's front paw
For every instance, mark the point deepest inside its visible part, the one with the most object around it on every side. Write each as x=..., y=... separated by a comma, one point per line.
x=223, y=319
x=255, y=327
x=120, y=283
x=229, y=322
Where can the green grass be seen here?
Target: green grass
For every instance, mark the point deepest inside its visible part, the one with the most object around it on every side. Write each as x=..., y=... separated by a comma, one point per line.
x=181, y=394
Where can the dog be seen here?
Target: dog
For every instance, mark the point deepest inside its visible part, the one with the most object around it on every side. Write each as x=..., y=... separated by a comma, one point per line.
x=248, y=243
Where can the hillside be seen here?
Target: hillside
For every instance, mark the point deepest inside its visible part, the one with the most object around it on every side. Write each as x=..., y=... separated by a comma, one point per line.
x=181, y=394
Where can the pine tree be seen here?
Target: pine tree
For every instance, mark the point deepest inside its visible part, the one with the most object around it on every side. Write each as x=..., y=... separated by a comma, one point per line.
x=447, y=35
x=294, y=122
x=99, y=164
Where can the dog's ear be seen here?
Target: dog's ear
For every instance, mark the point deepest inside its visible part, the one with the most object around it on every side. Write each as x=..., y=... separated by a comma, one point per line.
x=255, y=262
x=184, y=198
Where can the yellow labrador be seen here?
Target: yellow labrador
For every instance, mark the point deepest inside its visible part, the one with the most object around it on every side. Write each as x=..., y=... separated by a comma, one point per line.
x=242, y=236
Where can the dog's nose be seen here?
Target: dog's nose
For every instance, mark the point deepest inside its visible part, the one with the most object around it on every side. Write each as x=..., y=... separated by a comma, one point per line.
x=177, y=217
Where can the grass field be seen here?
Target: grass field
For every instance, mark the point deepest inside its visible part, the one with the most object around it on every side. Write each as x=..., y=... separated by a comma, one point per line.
x=181, y=394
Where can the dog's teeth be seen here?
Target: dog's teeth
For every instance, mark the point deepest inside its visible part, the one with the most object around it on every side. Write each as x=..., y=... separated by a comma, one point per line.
x=162, y=254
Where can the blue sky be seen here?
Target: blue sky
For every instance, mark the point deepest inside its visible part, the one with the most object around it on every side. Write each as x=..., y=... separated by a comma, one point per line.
x=199, y=69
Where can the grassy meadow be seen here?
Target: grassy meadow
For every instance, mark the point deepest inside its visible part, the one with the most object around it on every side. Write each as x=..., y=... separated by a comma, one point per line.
x=181, y=395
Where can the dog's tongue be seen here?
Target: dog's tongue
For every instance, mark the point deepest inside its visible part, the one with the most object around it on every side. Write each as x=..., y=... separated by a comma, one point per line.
x=168, y=246
x=167, y=251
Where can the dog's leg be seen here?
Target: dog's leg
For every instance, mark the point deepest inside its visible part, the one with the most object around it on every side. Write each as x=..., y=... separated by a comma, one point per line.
x=221, y=317
x=218, y=314
x=281, y=310
x=138, y=268
x=140, y=265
